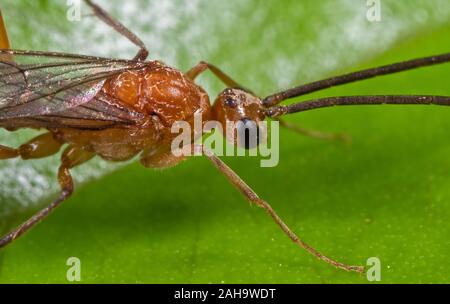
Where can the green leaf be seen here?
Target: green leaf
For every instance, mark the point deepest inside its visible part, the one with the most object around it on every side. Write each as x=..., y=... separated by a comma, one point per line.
x=384, y=196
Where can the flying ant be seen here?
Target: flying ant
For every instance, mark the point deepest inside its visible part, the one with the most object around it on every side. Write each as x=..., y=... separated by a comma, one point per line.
x=117, y=109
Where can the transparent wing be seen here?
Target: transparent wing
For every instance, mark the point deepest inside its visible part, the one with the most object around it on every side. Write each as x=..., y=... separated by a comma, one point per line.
x=100, y=112
x=37, y=86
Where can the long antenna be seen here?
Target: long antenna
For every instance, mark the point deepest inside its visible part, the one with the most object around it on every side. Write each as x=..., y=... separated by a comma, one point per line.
x=353, y=77
x=358, y=100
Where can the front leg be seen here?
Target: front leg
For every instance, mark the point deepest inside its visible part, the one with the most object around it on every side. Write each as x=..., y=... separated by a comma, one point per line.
x=251, y=196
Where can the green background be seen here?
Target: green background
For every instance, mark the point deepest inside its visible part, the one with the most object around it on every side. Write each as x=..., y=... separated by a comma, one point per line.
x=386, y=195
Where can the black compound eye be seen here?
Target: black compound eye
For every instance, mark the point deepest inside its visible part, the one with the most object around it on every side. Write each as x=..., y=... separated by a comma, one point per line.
x=247, y=134
x=230, y=102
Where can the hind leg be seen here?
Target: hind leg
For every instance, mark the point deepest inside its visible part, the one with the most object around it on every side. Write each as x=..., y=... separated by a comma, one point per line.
x=120, y=28
x=71, y=157
x=40, y=146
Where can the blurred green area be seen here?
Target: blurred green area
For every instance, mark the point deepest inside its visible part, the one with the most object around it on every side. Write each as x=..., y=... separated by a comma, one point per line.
x=386, y=195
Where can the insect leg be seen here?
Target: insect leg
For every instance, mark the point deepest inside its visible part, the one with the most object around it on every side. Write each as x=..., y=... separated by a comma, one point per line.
x=4, y=41
x=120, y=28
x=203, y=66
x=254, y=198
x=40, y=146
x=71, y=157
x=313, y=133
x=159, y=159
